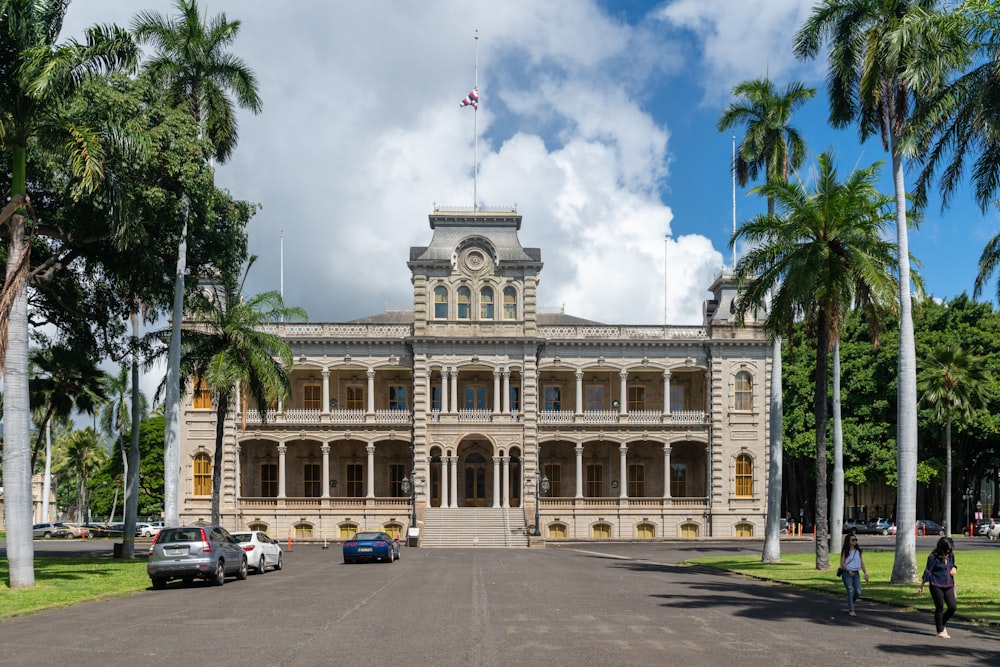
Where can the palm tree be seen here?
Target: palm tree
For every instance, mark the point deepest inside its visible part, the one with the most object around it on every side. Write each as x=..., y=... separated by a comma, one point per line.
x=773, y=147
x=818, y=253
x=952, y=382
x=82, y=456
x=226, y=347
x=872, y=44
x=196, y=71
x=37, y=74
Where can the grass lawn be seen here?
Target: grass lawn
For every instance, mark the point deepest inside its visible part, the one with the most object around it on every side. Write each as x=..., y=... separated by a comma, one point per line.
x=64, y=581
x=978, y=586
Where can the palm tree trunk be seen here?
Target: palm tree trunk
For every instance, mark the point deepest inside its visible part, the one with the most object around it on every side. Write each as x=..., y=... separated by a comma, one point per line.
x=772, y=531
x=172, y=429
x=220, y=428
x=904, y=566
x=837, y=492
x=820, y=409
x=17, y=412
x=947, y=484
x=132, y=485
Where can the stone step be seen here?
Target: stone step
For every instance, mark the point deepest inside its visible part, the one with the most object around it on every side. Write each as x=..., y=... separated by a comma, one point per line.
x=474, y=527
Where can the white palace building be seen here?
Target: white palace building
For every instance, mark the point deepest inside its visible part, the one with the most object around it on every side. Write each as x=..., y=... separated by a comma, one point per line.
x=475, y=413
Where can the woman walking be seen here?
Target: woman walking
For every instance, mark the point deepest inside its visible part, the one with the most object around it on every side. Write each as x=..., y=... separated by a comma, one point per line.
x=940, y=574
x=852, y=564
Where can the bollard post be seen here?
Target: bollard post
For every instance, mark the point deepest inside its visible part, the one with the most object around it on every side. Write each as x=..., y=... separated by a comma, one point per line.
x=289, y=540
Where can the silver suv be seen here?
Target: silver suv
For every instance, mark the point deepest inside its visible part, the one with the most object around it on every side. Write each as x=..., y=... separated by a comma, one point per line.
x=195, y=552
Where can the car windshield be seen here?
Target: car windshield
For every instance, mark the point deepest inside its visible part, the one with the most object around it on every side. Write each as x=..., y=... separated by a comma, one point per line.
x=243, y=537
x=367, y=537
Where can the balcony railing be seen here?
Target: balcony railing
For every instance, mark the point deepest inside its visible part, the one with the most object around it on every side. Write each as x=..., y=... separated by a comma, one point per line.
x=248, y=502
x=614, y=501
x=614, y=417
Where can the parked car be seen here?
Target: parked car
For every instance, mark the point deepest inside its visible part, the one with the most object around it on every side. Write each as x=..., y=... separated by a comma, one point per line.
x=262, y=552
x=924, y=527
x=195, y=552
x=371, y=545
x=48, y=530
x=982, y=527
x=150, y=529
x=72, y=529
x=859, y=527
x=883, y=525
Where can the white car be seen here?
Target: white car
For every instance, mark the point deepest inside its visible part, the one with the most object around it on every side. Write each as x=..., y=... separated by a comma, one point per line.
x=149, y=529
x=262, y=552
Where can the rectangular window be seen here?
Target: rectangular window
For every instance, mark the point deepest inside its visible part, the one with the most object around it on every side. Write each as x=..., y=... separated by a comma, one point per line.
x=312, y=397
x=553, y=399
x=436, y=398
x=636, y=398
x=202, y=475
x=397, y=398
x=678, y=480
x=269, y=480
x=744, y=392
x=355, y=480
x=397, y=471
x=355, y=397
x=311, y=480
x=202, y=396
x=515, y=399
x=594, y=398
x=636, y=480
x=554, y=473
x=677, y=398
x=744, y=476
x=595, y=480
x=475, y=398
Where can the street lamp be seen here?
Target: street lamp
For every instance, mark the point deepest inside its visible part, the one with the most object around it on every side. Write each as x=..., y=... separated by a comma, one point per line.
x=544, y=484
x=967, y=497
x=410, y=488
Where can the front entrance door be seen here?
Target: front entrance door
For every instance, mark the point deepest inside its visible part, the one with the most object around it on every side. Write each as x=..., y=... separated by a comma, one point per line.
x=475, y=481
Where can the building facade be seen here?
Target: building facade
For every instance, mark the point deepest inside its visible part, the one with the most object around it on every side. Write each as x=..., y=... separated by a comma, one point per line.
x=478, y=403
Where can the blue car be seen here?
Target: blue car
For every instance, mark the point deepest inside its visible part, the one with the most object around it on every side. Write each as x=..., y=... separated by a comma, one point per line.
x=371, y=546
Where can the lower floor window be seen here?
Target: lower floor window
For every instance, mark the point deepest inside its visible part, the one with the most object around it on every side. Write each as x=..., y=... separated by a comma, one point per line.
x=601, y=531
x=556, y=531
x=347, y=531
x=303, y=531
x=689, y=530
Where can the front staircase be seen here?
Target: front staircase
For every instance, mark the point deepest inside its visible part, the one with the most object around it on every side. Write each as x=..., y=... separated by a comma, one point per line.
x=474, y=527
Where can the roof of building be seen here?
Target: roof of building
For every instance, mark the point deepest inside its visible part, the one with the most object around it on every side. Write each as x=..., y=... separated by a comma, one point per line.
x=400, y=316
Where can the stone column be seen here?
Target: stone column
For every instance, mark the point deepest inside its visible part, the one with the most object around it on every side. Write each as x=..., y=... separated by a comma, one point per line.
x=282, y=450
x=579, y=471
x=496, y=481
x=623, y=465
x=444, y=390
x=445, y=489
x=506, y=391
x=453, y=460
x=666, y=392
x=325, y=407
x=666, y=471
x=371, y=391
x=496, y=391
x=371, y=470
x=623, y=392
x=579, y=392
x=325, y=448
x=455, y=407
x=505, y=462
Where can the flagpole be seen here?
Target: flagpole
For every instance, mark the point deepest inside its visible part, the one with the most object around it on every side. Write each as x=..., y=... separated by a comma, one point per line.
x=475, y=132
x=733, y=167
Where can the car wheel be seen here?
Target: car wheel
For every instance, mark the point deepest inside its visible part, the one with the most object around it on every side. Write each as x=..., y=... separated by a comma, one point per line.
x=47, y=534
x=261, y=566
x=277, y=566
x=219, y=577
x=347, y=561
x=241, y=573
x=188, y=580
x=159, y=583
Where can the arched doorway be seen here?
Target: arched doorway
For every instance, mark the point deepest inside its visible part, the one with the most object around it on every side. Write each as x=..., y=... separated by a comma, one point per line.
x=474, y=471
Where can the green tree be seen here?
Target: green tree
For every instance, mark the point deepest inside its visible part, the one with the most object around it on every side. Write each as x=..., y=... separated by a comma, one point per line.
x=37, y=74
x=952, y=383
x=225, y=345
x=871, y=46
x=82, y=457
x=193, y=66
x=772, y=147
x=820, y=252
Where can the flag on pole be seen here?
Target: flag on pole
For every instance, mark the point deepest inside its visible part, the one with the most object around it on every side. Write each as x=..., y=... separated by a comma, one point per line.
x=471, y=100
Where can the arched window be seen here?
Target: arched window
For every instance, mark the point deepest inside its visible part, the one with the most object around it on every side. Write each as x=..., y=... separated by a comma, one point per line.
x=645, y=531
x=601, y=531
x=202, y=474
x=303, y=531
x=256, y=525
x=393, y=530
x=744, y=392
x=348, y=530
x=464, y=303
x=744, y=476
x=556, y=531
x=440, y=303
x=509, y=303
x=689, y=530
x=744, y=530
x=202, y=396
x=486, y=303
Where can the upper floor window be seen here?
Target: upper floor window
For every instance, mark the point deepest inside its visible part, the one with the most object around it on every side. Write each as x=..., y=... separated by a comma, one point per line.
x=744, y=476
x=312, y=397
x=397, y=397
x=636, y=398
x=678, y=480
x=269, y=480
x=436, y=398
x=440, y=303
x=464, y=303
x=202, y=396
x=475, y=398
x=486, y=303
x=202, y=475
x=509, y=303
x=355, y=480
x=678, y=396
x=636, y=480
x=595, y=480
x=355, y=397
x=553, y=472
x=397, y=471
x=553, y=399
x=744, y=392
x=595, y=398
x=515, y=399
x=311, y=480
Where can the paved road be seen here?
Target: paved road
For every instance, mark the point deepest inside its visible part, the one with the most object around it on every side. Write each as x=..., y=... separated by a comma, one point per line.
x=607, y=604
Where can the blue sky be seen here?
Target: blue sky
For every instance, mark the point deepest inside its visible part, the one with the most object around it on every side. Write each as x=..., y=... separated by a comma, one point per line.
x=597, y=121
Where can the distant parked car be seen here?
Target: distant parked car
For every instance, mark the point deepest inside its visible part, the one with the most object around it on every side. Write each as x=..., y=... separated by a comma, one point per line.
x=981, y=527
x=924, y=527
x=859, y=528
x=47, y=530
x=150, y=529
x=262, y=552
x=883, y=525
x=195, y=552
x=371, y=545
